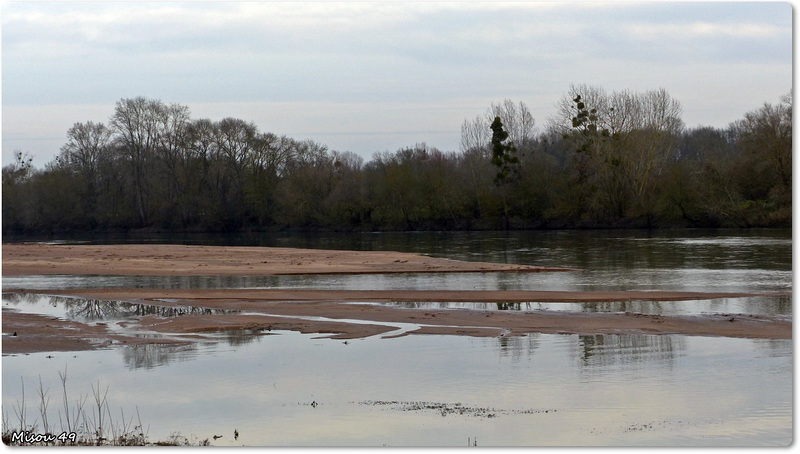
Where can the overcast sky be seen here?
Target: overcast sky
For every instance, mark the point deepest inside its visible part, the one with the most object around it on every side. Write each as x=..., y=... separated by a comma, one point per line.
x=369, y=77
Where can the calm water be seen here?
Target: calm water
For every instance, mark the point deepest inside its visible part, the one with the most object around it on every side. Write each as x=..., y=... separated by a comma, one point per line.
x=288, y=389
x=685, y=260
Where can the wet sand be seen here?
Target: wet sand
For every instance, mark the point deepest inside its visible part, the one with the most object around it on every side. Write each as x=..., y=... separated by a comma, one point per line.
x=30, y=333
x=333, y=314
x=330, y=313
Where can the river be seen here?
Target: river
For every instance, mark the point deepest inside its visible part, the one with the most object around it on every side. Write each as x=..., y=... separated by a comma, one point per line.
x=290, y=389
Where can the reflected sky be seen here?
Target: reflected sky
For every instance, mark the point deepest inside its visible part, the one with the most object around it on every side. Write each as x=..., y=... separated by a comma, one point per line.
x=760, y=305
x=598, y=390
x=692, y=280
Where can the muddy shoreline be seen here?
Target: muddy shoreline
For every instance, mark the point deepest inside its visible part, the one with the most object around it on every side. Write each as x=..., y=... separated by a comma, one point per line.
x=329, y=313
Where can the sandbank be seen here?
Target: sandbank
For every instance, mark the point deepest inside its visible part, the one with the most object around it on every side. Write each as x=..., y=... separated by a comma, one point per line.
x=328, y=313
x=183, y=260
x=333, y=314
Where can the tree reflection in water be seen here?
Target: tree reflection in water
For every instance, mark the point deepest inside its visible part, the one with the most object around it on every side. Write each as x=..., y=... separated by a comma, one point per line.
x=149, y=356
x=639, y=306
x=239, y=337
x=517, y=347
x=475, y=305
x=17, y=298
x=613, y=349
x=512, y=306
x=145, y=356
x=593, y=351
x=94, y=309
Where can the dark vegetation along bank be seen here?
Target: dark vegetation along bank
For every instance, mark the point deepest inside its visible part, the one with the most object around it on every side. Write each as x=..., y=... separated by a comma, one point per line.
x=619, y=159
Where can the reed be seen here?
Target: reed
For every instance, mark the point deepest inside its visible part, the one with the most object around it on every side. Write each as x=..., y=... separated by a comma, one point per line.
x=78, y=425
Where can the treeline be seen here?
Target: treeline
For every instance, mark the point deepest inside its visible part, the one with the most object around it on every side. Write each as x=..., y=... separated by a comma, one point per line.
x=619, y=159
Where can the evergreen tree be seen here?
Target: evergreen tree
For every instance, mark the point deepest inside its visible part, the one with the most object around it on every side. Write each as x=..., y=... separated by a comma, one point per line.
x=504, y=156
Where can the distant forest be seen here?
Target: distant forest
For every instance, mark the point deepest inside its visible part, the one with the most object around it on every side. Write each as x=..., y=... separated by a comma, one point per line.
x=618, y=159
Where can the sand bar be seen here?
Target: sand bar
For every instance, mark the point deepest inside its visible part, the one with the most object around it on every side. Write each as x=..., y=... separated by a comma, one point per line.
x=329, y=313
x=332, y=314
x=181, y=260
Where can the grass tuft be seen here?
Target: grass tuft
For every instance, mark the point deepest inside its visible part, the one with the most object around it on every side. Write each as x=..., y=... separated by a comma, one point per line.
x=79, y=425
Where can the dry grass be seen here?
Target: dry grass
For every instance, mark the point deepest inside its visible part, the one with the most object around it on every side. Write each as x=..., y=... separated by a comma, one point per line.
x=84, y=421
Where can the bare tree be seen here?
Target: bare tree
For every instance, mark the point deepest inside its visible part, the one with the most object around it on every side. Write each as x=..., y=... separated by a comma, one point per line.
x=627, y=138
x=653, y=136
x=175, y=156
x=517, y=121
x=88, y=147
x=135, y=121
x=475, y=136
x=767, y=132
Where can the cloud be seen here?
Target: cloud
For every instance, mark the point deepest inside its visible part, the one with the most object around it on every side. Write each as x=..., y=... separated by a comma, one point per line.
x=390, y=56
x=701, y=29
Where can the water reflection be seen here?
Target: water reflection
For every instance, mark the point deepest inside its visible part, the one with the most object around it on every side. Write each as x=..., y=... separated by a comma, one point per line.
x=598, y=279
x=149, y=356
x=107, y=311
x=241, y=337
x=780, y=305
x=518, y=347
x=595, y=350
x=93, y=310
x=599, y=351
x=595, y=353
x=598, y=387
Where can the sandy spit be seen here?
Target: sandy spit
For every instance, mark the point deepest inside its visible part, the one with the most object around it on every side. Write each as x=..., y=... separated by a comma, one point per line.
x=181, y=260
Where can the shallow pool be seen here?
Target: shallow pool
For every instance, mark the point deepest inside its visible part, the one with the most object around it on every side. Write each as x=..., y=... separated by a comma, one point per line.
x=289, y=389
